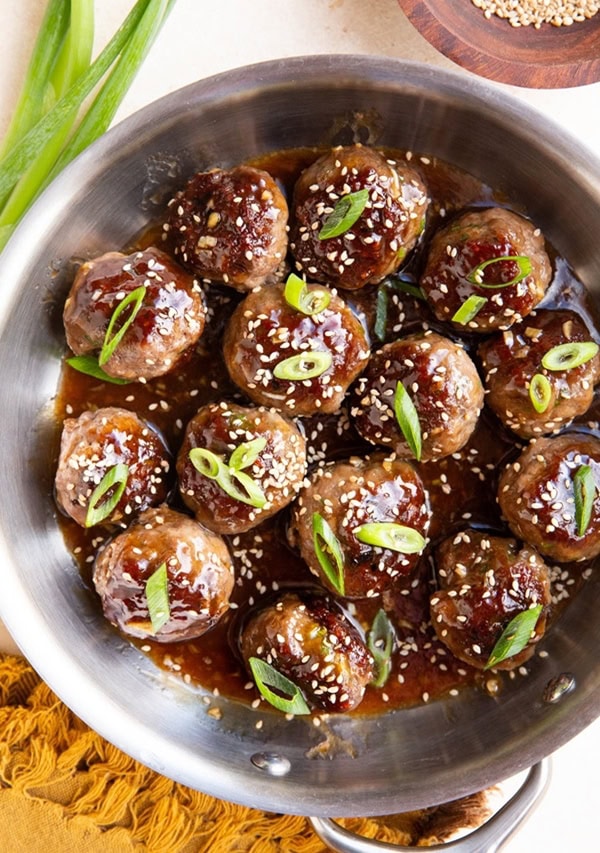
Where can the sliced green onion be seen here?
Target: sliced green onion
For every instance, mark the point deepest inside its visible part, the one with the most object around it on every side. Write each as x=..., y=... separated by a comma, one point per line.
x=307, y=365
x=206, y=462
x=111, y=342
x=344, y=214
x=326, y=543
x=99, y=509
x=88, y=364
x=540, y=392
x=408, y=419
x=267, y=677
x=247, y=453
x=380, y=642
x=391, y=536
x=584, y=487
x=253, y=496
x=515, y=636
x=469, y=309
x=568, y=356
x=381, y=312
x=307, y=301
x=214, y=467
x=406, y=287
x=522, y=261
x=157, y=598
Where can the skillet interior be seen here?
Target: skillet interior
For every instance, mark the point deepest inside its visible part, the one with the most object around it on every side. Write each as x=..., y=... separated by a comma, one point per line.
x=405, y=759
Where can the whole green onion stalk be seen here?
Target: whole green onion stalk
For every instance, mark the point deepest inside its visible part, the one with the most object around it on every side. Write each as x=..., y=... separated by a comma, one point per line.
x=49, y=127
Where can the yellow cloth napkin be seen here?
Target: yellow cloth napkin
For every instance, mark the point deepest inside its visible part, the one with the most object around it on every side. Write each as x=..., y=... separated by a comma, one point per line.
x=64, y=789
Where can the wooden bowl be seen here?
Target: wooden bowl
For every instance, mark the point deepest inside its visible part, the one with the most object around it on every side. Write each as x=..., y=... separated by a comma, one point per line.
x=546, y=58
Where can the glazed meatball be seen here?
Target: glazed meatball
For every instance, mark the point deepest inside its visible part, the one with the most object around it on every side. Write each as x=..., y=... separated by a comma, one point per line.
x=308, y=639
x=537, y=495
x=441, y=381
x=199, y=577
x=258, y=460
x=485, y=581
x=513, y=359
x=230, y=226
x=471, y=257
x=377, y=499
x=99, y=445
x=378, y=241
x=167, y=320
x=296, y=362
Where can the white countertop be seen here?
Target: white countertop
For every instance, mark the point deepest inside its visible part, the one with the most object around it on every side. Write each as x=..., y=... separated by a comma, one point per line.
x=201, y=39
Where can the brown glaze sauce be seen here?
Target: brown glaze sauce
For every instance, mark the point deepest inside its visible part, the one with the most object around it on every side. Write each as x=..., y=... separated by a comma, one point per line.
x=462, y=487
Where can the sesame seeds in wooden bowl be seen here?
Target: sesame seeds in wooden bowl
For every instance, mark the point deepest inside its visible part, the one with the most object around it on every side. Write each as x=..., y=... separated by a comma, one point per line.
x=536, y=55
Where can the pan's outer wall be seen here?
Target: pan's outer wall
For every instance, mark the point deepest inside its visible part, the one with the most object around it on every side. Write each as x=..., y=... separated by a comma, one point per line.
x=401, y=760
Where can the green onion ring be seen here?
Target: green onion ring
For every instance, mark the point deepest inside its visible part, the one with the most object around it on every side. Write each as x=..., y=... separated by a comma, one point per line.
x=540, y=392
x=522, y=261
x=306, y=365
x=298, y=296
x=247, y=453
x=214, y=467
x=569, y=355
x=97, y=510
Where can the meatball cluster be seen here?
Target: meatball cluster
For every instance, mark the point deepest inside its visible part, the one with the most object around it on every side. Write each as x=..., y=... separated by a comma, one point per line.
x=332, y=434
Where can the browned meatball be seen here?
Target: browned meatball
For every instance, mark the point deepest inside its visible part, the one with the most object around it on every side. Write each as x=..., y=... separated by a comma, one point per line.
x=199, y=577
x=97, y=445
x=386, y=230
x=441, y=381
x=383, y=497
x=485, y=581
x=308, y=639
x=537, y=496
x=458, y=252
x=513, y=358
x=230, y=226
x=259, y=462
x=267, y=341
x=169, y=320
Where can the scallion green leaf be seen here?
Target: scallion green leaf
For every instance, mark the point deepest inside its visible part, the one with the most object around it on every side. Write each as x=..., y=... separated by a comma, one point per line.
x=515, y=636
x=540, y=392
x=112, y=484
x=267, y=677
x=157, y=598
x=477, y=273
x=570, y=355
x=344, y=214
x=297, y=294
x=306, y=365
x=88, y=364
x=469, y=309
x=327, y=547
x=76, y=52
x=584, y=488
x=408, y=419
x=401, y=286
x=391, y=536
x=380, y=642
x=133, y=302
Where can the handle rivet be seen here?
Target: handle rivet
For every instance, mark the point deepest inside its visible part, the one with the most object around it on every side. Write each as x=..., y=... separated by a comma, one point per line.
x=558, y=687
x=271, y=763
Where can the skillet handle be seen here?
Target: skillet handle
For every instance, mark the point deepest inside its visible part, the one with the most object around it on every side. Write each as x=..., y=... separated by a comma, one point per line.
x=485, y=839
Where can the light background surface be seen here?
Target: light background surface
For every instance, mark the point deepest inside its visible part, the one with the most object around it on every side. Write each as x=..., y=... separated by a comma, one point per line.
x=203, y=38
